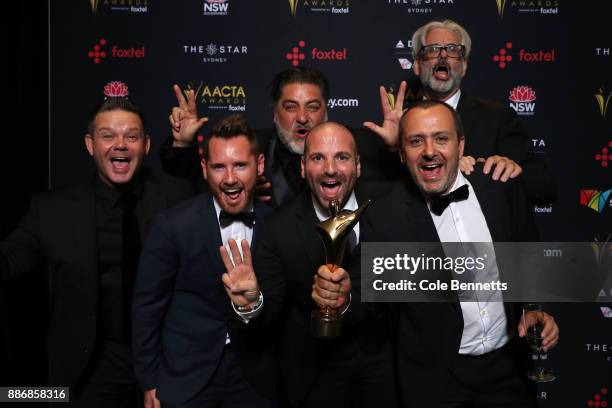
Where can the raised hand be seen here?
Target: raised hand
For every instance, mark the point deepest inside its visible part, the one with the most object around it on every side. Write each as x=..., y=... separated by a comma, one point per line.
x=389, y=131
x=184, y=118
x=239, y=280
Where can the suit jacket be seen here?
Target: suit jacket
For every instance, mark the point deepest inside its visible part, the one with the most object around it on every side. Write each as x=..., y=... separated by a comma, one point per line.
x=181, y=313
x=377, y=163
x=491, y=128
x=60, y=230
x=288, y=256
x=428, y=335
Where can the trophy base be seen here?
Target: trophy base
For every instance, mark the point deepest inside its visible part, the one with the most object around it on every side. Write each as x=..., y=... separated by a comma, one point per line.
x=326, y=323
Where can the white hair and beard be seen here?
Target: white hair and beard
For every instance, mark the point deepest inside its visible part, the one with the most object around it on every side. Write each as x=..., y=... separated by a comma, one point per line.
x=437, y=88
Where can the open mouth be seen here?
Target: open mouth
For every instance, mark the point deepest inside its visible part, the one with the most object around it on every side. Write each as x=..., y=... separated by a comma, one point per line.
x=431, y=171
x=120, y=164
x=441, y=72
x=232, y=193
x=331, y=188
x=302, y=133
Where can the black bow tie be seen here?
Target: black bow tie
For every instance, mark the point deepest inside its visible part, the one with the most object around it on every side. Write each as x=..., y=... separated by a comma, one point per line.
x=225, y=218
x=439, y=203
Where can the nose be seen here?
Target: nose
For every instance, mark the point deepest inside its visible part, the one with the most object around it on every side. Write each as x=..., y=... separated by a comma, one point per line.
x=120, y=143
x=229, y=177
x=302, y=116
x=330, y=168
x=429, y=150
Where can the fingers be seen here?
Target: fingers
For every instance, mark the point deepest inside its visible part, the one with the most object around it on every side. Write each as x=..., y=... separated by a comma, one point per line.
x=246, y=252
x=180, y=98
x=373, y=127
x=227, y=262
x=399, y=102
x=550, y=332
x=175, y=118
x=384, y=99
x=202, y=121
x=262, y=189
x=517, y=170
x=236, y=257
x=466, y=164
x=488, y=164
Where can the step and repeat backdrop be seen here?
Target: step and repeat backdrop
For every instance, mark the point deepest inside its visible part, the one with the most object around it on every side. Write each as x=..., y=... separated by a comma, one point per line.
x=549, y=60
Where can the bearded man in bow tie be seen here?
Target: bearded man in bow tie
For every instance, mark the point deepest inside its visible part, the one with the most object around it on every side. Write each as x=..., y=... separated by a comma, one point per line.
x=189, y=346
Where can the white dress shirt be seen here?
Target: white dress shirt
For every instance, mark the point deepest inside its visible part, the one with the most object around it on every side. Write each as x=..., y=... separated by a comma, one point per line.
x=453, y=101
x=484, y=321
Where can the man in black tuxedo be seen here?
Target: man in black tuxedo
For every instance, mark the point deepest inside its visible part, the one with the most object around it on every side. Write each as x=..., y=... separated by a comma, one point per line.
x=189, y=346
x=455, y=354
x=493, y=132
x=89, y=235
x=354, y=370
x=299, y=98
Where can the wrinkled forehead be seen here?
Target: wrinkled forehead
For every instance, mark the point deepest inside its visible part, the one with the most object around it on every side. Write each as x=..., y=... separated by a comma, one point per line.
x=330, y=138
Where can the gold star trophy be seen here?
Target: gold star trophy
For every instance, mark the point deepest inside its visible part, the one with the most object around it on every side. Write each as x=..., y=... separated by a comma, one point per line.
x=326, y=323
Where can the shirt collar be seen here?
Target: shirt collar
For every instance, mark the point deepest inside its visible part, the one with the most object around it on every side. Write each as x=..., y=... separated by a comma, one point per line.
x=323, y=213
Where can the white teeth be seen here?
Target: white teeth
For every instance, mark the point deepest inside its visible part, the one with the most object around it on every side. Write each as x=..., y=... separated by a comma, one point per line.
x=431, y=166
x=232, y=190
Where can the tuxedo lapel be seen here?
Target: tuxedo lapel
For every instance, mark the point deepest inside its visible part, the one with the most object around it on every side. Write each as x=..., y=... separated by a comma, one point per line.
x=209, y=234
x=306, y=219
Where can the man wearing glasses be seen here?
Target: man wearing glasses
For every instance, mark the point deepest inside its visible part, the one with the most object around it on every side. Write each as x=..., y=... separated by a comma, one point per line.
x=441, y=50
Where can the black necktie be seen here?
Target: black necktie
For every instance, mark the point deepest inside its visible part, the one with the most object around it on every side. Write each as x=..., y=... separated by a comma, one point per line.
x=439, y=203
x=247, y=218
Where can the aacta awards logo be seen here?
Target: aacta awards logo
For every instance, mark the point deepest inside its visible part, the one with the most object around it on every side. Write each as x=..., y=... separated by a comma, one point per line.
x=503, y=56
x=603, y=101
x=549, y=7
x=403, y=53
x=216, y=7
x=132, y=6
x=596, y=200
x=320, y=6
x=522, y=100
x=299, y=54
x=222, y=97
x=98, y=52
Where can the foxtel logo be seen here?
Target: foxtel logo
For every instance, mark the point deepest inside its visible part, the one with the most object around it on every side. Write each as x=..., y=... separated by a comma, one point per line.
x=297, y=54
x=98, y=52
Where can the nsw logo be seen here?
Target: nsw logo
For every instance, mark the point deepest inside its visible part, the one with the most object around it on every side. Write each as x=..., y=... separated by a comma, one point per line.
x=522, y=100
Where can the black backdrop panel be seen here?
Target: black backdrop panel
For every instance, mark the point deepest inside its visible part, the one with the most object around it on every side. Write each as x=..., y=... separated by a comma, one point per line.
x=229, y=50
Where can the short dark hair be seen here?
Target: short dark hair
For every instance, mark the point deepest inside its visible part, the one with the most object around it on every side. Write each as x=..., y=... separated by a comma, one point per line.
x=229, y=127
x=111, y=104
x=431, y=103
x=301, y=75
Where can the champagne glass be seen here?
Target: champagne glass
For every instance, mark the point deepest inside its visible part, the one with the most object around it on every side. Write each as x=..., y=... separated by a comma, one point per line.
x=533, y=311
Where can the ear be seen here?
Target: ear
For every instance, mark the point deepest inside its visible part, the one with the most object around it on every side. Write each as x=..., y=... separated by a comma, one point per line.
x=147, y=144
x=465, y=67
x=416, y=67
x=89, y=143
x=302, y=168
x=261, y=165
x=204, y=172
x=358, y=167
x=461, y=145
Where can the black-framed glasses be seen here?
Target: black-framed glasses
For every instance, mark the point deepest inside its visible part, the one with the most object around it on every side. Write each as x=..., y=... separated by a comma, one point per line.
x=434, y=50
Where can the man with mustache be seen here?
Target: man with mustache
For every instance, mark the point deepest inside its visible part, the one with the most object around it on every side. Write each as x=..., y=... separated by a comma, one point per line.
x=189, y=349
x=89, y=235
x=493, y=133
x=354, y=370
x=299, y=97
x=455, y=353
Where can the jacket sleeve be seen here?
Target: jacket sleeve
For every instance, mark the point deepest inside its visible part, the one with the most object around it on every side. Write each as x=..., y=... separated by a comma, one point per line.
x=21, y=252
x=153, y=288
